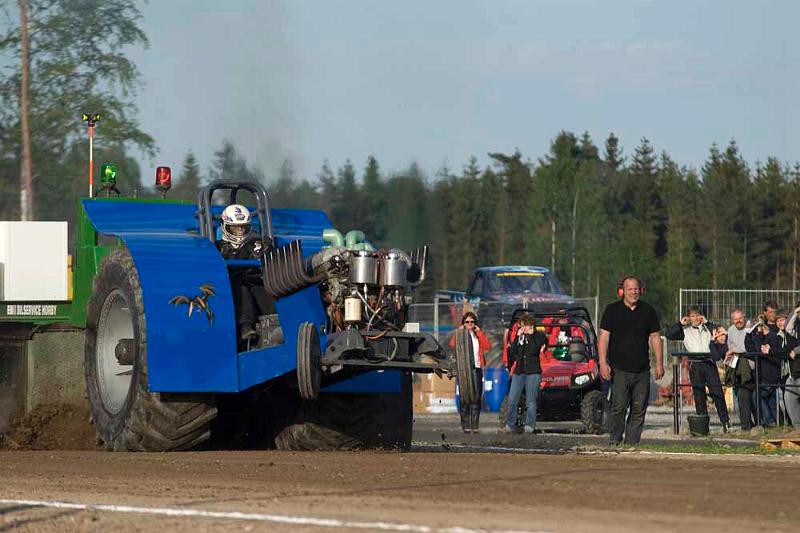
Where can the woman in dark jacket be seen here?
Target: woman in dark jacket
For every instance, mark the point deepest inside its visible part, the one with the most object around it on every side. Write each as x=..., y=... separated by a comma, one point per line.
x=777, y=348
x=524, y=365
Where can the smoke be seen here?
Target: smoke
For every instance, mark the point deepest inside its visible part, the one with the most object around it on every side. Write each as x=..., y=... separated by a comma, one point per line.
x=221, y=73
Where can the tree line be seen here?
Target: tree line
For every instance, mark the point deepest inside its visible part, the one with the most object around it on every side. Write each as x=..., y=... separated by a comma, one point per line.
x=590, y=213
x=585, y=209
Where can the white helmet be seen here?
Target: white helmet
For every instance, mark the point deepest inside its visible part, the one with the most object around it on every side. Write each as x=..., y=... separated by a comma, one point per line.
x=236, y=224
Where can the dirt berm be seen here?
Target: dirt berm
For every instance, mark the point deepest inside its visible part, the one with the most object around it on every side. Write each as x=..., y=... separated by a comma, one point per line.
x=51, y=427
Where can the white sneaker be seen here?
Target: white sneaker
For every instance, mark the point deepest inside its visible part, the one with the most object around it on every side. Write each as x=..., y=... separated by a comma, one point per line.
x=505, y=429
x=528, y=429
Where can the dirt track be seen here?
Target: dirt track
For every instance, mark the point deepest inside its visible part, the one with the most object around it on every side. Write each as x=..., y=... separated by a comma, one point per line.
x=442, y=484
x=473, y=490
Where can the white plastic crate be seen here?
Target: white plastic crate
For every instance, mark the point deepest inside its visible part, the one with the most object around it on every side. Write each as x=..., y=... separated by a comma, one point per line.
x=33, y=261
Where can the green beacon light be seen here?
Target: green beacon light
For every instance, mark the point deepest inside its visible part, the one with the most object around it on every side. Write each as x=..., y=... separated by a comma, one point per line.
x=108, y=179
x=108, y=175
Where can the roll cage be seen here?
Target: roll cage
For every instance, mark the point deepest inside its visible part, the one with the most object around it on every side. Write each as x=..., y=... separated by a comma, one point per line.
x=569, y=318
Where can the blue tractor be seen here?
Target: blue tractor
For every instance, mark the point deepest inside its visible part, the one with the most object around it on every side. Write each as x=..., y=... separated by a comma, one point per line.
x=331, y=369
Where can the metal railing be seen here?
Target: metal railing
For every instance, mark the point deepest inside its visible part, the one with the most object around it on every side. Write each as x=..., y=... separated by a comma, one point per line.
x=717, y=304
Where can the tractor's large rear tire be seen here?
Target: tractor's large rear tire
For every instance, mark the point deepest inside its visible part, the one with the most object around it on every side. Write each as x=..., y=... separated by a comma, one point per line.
x=465, y=366
x=126, y=415
x=340, y=421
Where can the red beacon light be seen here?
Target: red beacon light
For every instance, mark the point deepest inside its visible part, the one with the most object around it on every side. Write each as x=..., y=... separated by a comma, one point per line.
x=163, y=180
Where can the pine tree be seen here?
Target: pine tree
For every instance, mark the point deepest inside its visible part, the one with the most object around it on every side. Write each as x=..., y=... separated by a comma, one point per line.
x=227, y=163
x=487, y=244
x=373, y=197
x=327, y=189
x=282, y=191
x=728, y=236
x=772, y=228
x=553, y=202
x=347, y=209
x=680, y=267
x=305, y=196
x=586, y=221
x=645, y=204
x=792, y=206
x=189, y=181
x=406, y=193
x=613, y=156
x=517, y=180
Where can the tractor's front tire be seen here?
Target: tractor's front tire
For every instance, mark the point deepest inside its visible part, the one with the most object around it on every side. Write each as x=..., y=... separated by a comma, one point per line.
x=309, y=372
x=341, y=421
x=125, y=414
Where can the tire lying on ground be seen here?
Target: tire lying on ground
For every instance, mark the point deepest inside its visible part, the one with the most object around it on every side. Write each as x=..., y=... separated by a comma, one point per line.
x=465, y=364
x=594, y=412
x=126, y=415
x=337, y=421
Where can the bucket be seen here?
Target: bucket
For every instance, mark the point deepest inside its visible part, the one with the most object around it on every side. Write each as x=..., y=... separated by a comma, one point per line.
x=495, y=387
x=698, y=425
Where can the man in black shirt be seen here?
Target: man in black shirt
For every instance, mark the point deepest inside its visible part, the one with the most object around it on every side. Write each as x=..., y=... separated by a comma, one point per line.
x=626, y=329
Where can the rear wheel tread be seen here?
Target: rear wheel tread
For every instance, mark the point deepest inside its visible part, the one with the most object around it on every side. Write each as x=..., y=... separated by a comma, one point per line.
x=341, y=421
x=147, y=421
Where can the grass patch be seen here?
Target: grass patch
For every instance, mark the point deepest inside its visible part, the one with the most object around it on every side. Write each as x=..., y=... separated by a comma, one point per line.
x=710, y=447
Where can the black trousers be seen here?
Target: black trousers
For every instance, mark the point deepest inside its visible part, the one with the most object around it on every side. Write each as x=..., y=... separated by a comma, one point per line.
x=250, y=301
x=628, y=390
x=744, y=399
x=704, y=374
x=471, y=412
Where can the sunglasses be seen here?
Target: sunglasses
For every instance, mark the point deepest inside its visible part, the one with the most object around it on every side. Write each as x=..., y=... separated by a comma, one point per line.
x=469, y=322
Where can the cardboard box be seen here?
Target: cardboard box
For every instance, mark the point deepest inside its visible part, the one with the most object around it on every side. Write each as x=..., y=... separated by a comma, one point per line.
x=433, y=383
x=428, y=400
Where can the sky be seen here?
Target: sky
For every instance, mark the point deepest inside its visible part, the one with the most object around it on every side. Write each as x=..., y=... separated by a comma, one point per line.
x=439, y=81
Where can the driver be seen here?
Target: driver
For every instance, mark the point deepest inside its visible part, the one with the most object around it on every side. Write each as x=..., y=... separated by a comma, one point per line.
x=250, y=300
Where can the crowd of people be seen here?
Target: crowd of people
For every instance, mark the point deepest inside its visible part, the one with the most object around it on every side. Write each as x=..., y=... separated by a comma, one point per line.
x=767, y=347
x=759, y=359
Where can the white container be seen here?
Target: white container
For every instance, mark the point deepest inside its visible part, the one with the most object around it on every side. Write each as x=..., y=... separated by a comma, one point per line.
x=352, y=310
x=33, y=261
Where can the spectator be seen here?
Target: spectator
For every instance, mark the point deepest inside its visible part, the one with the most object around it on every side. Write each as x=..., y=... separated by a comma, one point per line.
x=696, y=333
x=791, y=396
x=524, y=364
x=471, y=412
x=767, y=369
x=744, y=368
x=744, y=376
x=625, y=330
x=776, y=345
